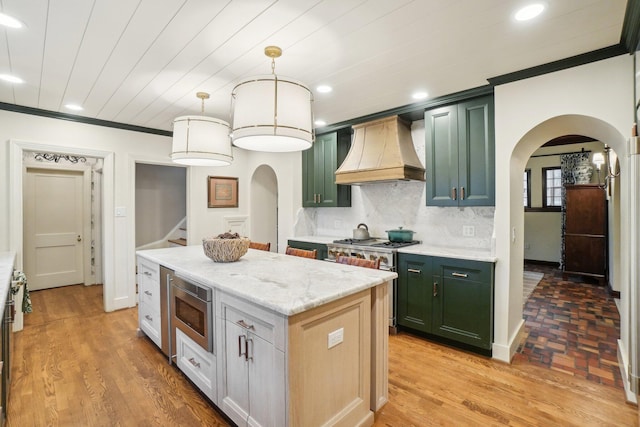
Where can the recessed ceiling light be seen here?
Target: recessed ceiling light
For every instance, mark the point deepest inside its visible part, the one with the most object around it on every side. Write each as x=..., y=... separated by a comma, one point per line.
x=324, y=89
x=529, y=12
x=11, y=79
x=320, y=123
x=420, y=95
x=74, y=107
x=10, y=21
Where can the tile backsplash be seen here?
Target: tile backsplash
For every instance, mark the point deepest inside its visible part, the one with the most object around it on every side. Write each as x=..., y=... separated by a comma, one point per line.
x=389, y=205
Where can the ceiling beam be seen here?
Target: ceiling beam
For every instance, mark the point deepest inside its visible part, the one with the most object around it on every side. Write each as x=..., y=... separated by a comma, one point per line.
x=630, y=37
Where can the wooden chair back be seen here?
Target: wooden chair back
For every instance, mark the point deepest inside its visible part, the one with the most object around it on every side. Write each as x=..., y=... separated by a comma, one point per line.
x=302, y=252
x=260, y=246
x=360, y=262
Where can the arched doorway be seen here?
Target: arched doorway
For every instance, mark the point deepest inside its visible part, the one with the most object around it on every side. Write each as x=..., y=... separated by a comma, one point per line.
x=264, y=206
x=522, y=151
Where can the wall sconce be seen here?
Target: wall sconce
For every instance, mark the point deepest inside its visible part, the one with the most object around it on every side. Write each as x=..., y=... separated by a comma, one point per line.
x=599, y=160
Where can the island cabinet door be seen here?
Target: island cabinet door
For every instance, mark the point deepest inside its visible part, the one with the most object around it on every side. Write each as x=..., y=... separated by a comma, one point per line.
x=235, y=389
x=414, y=292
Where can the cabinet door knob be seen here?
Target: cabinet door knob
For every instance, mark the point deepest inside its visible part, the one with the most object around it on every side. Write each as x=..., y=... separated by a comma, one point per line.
x=413, y=270
x=148, y=293
x=241, y=353
x=244, y=325
x=435, y=289
x=461, y=193
x=460, y=275
x=194, y=363
x=454, y=193
x=149, y=318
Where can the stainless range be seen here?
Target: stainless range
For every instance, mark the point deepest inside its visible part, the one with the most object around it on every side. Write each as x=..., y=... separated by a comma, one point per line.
x=373, y=249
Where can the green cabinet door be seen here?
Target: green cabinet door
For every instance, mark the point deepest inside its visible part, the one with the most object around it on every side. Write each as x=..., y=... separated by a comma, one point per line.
x=441, y=130
x=309, y=246
x=463, y=301
x=414, y=292
x=319, y=165
x=460, y=156
x=476, y=161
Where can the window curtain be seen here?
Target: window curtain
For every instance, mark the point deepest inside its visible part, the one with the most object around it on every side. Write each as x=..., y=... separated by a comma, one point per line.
x=567, y=163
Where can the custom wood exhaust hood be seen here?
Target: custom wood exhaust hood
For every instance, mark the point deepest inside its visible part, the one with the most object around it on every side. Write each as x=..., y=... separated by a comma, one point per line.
x=382, y=150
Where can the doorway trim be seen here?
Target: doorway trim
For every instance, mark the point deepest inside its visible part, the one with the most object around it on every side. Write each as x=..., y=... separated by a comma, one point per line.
x=16, y=222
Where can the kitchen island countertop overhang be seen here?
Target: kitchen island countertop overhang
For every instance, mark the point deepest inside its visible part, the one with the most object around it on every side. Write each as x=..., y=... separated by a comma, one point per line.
x=283, y=283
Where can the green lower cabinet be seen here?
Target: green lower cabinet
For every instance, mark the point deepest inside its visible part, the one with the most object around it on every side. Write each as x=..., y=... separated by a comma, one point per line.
x=414, y=292
x=446, y=297
x=463, y=301
x=321, y=248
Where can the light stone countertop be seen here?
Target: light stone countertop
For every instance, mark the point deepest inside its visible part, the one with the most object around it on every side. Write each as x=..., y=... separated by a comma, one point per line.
x=283, y=283
x=7, y=260
x=323, y=240
x=472, y=254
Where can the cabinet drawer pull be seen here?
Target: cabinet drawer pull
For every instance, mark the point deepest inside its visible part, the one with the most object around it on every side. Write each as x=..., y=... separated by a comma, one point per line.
x=244, y=325
x=435, y=289
x=460, y=275
x=149, y=318
x=454, y=193
x=413, y=270
x=146, y=273
x=148, y=293
x=194, y=363
x=461, y=193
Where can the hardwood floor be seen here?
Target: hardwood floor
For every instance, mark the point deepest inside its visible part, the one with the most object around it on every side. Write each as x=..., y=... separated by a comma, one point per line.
x=74, y=365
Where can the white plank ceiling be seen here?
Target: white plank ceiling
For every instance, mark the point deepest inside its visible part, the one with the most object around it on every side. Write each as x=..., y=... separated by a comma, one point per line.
x=141, y=62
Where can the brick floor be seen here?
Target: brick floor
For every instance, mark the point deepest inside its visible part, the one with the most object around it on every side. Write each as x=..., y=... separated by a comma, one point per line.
x=571, y=326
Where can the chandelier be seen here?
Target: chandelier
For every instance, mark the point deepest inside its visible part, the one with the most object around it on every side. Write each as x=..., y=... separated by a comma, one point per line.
x=272, y=113
x=201, y=140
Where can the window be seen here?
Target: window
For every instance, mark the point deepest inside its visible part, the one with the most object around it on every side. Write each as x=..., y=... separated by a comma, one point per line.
x=551, y=187
x=527, y=188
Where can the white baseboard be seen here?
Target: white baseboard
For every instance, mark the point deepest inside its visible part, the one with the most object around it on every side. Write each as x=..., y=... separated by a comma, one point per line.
x=624, y=364
x=504, y=353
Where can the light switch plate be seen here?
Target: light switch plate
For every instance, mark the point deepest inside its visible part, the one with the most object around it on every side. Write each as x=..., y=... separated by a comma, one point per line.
x=334, y=338
x=468, y=230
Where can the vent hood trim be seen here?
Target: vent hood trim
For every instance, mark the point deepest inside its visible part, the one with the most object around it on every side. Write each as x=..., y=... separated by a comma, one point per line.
x=382, y=151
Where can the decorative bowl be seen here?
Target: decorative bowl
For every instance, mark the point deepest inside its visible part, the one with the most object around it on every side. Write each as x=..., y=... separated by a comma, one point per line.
x=225, y=250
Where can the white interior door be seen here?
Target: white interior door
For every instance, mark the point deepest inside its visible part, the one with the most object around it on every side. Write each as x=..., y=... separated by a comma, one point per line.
x=53, y=227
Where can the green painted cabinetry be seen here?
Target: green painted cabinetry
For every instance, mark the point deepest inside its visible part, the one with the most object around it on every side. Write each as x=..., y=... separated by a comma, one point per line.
x=319, y=165
x=460, y=154
x=322, y=249
x=414, y=293
x=448, y=298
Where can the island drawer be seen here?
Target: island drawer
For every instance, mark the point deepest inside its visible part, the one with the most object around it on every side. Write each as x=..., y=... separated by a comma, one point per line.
x=150, y=323
x=196, y=364
x=262, y=322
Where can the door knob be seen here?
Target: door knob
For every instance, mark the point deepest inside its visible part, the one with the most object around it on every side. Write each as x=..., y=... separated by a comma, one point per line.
x=79, y=238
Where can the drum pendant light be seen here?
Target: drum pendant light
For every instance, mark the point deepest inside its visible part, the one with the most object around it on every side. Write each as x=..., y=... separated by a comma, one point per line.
x=272, y=113
x=201, y=140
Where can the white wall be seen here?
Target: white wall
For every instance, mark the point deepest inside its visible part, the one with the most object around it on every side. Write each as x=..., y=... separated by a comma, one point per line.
x=124, y=149
x=593, y=100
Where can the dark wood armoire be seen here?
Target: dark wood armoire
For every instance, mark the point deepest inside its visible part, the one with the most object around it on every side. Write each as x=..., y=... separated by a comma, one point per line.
x=585, y=234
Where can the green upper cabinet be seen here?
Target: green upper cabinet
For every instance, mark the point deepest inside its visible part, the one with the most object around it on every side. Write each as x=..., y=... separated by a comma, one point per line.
x=319, y=165
x=460, y=154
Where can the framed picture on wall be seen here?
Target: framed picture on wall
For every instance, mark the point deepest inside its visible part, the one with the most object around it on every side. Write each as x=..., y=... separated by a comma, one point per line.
x=222, y=192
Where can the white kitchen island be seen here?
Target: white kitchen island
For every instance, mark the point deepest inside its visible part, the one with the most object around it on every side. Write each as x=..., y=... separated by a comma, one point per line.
x=319, y=337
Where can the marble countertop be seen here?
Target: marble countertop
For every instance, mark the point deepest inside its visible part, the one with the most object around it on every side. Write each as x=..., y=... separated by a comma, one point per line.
x=473, y=254
x=285, y=284
x=7, y=260
x=324, y=240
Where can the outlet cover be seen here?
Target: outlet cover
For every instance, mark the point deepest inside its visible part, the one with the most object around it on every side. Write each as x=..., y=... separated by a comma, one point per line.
x=335, y=338
x=468, y=230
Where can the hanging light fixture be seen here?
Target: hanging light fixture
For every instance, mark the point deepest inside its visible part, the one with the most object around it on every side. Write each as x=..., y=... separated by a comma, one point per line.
x=272, y=113
x=201, y=140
